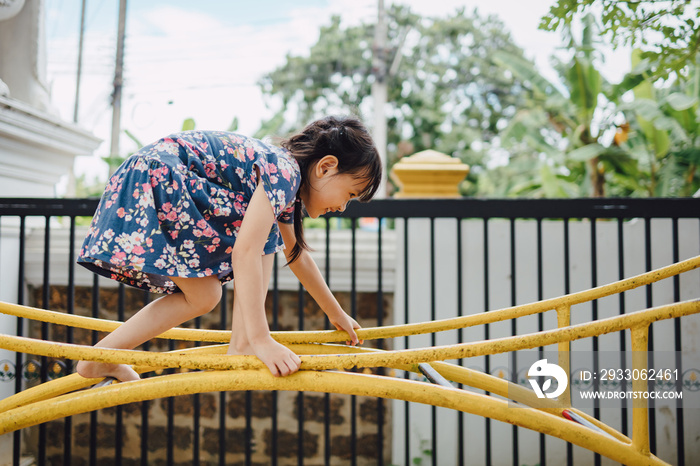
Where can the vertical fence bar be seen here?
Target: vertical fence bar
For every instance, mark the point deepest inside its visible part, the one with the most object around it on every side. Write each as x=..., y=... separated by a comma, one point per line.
x=680, y=440
x=17, y=435
x=118, y=422
x=70, y=307
x=623, y=342
x=170, y=444
x=223, y=308
x=540, y=322
x=326, y=326
x=433, y=339
x=652, y=403
x=45, y=297
x=487, y=359
x=594, y=307
x=93, y=414
x=300, y=395
x=248, y=437
x=380, y=323
x=145, y=404
x=513, y=331
x=460, y=339
x=275, y=327
x=196, y=406
x=353, y=307
x=248, y=427
x=406, y=374
x=567, y=290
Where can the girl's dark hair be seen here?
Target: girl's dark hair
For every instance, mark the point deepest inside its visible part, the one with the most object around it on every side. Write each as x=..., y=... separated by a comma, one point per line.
x=348, y=140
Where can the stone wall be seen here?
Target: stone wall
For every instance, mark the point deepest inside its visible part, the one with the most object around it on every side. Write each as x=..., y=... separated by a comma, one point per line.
x=234, y=403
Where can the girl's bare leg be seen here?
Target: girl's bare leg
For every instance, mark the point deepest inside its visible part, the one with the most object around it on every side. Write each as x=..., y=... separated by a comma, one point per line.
x=239, y=339
x=199, y=296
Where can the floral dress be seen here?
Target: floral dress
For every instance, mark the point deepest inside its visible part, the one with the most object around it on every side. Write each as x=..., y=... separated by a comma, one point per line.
x=174, y=208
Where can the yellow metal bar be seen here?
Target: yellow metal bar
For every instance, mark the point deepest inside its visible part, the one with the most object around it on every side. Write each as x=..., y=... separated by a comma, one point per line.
x=328, y=336
x=73, y=382
x=384, y=359
x=640, y=413
x=564, y=349
x=329, y=382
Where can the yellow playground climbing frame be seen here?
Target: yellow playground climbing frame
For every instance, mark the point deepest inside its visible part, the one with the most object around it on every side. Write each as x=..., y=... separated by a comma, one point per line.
x=212, y=370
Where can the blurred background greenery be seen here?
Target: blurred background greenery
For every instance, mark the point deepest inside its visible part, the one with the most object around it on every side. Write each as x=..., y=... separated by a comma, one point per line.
x=459, y=84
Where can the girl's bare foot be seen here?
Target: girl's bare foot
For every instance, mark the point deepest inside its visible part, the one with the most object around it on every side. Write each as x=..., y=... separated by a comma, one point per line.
x=240, y=350
x=92, y=369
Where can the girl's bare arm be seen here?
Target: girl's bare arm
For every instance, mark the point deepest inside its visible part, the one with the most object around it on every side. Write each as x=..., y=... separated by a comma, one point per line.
x=250, y=289
x=309, y=275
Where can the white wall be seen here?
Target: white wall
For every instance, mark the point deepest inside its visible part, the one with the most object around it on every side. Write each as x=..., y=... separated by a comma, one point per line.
x=366, y=273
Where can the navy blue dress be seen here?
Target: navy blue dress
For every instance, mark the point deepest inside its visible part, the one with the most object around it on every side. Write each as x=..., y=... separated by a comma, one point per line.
x=174, y=208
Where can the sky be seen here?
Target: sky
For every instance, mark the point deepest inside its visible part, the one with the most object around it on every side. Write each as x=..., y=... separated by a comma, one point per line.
x=203, y=59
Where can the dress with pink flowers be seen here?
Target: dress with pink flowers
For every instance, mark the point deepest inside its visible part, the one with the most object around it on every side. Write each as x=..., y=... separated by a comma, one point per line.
x=174, y=208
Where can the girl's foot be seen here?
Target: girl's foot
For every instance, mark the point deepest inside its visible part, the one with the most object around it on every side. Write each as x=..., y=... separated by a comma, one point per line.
x=92, y=369
x=243, y=350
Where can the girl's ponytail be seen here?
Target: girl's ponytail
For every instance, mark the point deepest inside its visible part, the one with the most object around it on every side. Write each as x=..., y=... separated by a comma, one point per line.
x=349, y=141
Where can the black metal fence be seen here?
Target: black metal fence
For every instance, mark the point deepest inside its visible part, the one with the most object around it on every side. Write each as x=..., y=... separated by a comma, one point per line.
x=681, y=217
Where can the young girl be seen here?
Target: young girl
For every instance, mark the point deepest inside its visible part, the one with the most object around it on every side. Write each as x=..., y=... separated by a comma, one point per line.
x=200, y=208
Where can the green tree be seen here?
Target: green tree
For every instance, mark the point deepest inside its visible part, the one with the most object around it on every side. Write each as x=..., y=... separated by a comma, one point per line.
x=667, y=32
x=446, y=93
x=563, y=125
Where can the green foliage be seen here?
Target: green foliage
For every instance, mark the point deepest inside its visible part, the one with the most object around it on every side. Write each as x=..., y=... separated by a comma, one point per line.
x=664, y=131
x=668, y=31
x=562, y=124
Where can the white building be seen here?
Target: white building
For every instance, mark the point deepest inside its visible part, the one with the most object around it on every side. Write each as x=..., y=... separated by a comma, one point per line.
x=37, y=148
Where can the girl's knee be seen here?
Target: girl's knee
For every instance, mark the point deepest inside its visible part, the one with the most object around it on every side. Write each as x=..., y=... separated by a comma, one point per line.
x=204, y=295
x=211, y=295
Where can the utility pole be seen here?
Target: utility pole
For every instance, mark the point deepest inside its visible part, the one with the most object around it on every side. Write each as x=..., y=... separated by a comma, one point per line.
x=379, y=90
x=80, y=62
x=118, y=82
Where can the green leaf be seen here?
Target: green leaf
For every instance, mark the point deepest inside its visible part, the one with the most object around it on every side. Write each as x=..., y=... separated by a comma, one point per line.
x=679, y=101
x=234, y=125
x=525, y=70
x=188, y=124
x=586, y=152
x=133, y=138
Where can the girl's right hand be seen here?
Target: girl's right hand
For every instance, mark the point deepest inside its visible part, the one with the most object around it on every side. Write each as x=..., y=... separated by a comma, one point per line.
x=278, y=358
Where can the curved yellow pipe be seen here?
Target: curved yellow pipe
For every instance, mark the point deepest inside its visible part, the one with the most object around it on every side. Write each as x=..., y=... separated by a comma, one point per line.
x=328, y=382
x=390, y=331
x=458, y=374
x=180, y=359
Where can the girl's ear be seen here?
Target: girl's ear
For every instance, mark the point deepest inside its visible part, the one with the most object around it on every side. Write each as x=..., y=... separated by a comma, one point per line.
x=328, y=165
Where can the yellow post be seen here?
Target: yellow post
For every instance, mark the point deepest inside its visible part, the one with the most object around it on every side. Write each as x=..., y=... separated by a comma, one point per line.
x=640, y=405
x=428, y=174
x=564, y=320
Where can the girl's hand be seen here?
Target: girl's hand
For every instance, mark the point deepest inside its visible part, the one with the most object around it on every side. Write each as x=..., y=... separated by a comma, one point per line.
x=278, y=358
x=347, y=323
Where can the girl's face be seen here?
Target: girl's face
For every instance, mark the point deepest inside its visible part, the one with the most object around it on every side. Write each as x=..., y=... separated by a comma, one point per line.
x=328, y=191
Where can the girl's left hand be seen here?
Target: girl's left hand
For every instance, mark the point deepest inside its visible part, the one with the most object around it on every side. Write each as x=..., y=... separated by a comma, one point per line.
x=344, y=322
